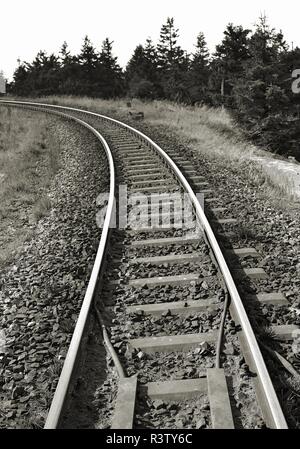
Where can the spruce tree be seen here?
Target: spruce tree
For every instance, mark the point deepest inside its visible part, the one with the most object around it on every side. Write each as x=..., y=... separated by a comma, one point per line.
x=151, y=53
x=262, y=101
x=88, y=74
x=172, y=62
x=136, y=74
x=106, y=57
x=70, y=72
x=253, y=91
x=20, y=81
x=229, y=58
x=137, y=65
x=169, y=52
x=141, y=72
x=88, y=55
x=110, y=75
x=65, y=55
x=199, y=73
x=152, y=65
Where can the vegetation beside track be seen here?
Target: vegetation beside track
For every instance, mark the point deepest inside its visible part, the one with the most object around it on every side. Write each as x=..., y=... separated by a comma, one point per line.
x=43, y=286
x=210, y=131
x=253, y=73
x=28, y=159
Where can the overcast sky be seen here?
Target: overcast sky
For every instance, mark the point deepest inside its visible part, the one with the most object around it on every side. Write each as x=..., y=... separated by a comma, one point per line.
x=27, y=26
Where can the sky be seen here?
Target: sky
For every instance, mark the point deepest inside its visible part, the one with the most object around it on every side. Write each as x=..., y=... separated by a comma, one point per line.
x=27, y=26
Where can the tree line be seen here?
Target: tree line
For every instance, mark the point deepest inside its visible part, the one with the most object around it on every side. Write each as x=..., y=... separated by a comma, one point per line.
x=250, y=73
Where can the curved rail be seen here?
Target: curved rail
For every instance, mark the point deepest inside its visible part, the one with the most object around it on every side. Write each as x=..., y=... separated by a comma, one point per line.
x=272, y=402
x=69, y=363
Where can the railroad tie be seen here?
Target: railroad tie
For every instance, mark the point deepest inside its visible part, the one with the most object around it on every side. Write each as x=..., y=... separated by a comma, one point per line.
x=155, y=213
x=269, y=298
x=170, y=259
x=137, y=160
x=220, y=408
x=171, y=188
x=145, y=176
x=179, y=279
x=242, y=252
x=158, y=222
x=206, y=192
x=286, y=332
x=176, y=308
x=166, y=241
x=185, y=342
x=199, y=183
x=125, y=403
x=197, y=178
x=211, y=200
x=137, y=153
x=225, y=221
x=154, y=206
x=175, y=390
x=139, y=170
x=139, y=228
x=142, y=168
x=162, y=181
x=179, y=390
x=252, y=273
x=218, y=210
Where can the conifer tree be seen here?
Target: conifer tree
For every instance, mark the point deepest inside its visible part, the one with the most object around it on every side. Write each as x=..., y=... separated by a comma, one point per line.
x=70, y=72
x=20, y=81
x=110, y=75
x=138, y=64
x=262, y=103
x=65, y=55
x=169, y=52
x=229, y=58
x=106, y=57
x=255, y=92
x=88, y=74
x=88, y=55
x=198, y=75
x=151, y=53
x=172, y=62
x=141, y=72
x=152, y=64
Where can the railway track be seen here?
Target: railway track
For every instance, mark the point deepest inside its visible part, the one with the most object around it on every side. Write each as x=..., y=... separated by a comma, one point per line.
x=169, y=309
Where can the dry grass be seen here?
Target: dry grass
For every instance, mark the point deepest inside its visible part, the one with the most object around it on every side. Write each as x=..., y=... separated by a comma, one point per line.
x=211, y=128
x=28, y=161
x=41, y=208
x=210, y=131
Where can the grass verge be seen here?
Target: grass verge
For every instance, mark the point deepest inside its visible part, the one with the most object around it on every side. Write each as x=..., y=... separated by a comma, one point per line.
x=28, y=162
x=209, y=131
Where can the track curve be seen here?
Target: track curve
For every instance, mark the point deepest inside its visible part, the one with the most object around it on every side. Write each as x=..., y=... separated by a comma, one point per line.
x=269, y=398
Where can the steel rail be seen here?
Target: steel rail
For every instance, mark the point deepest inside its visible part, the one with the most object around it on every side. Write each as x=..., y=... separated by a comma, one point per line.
x=61, y=391
x=272, y=402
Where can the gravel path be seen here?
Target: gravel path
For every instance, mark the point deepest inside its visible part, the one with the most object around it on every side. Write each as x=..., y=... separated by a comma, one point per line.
x=41, y=293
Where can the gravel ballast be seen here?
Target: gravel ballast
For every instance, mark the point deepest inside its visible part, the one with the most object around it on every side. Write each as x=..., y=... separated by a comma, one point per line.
x=267, y=221
x=151, y=367
x=41, y=293
x=262, y=223
x=52, y=339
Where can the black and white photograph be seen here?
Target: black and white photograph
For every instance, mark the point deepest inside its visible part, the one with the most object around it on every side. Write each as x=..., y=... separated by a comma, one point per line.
x=149, y=219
